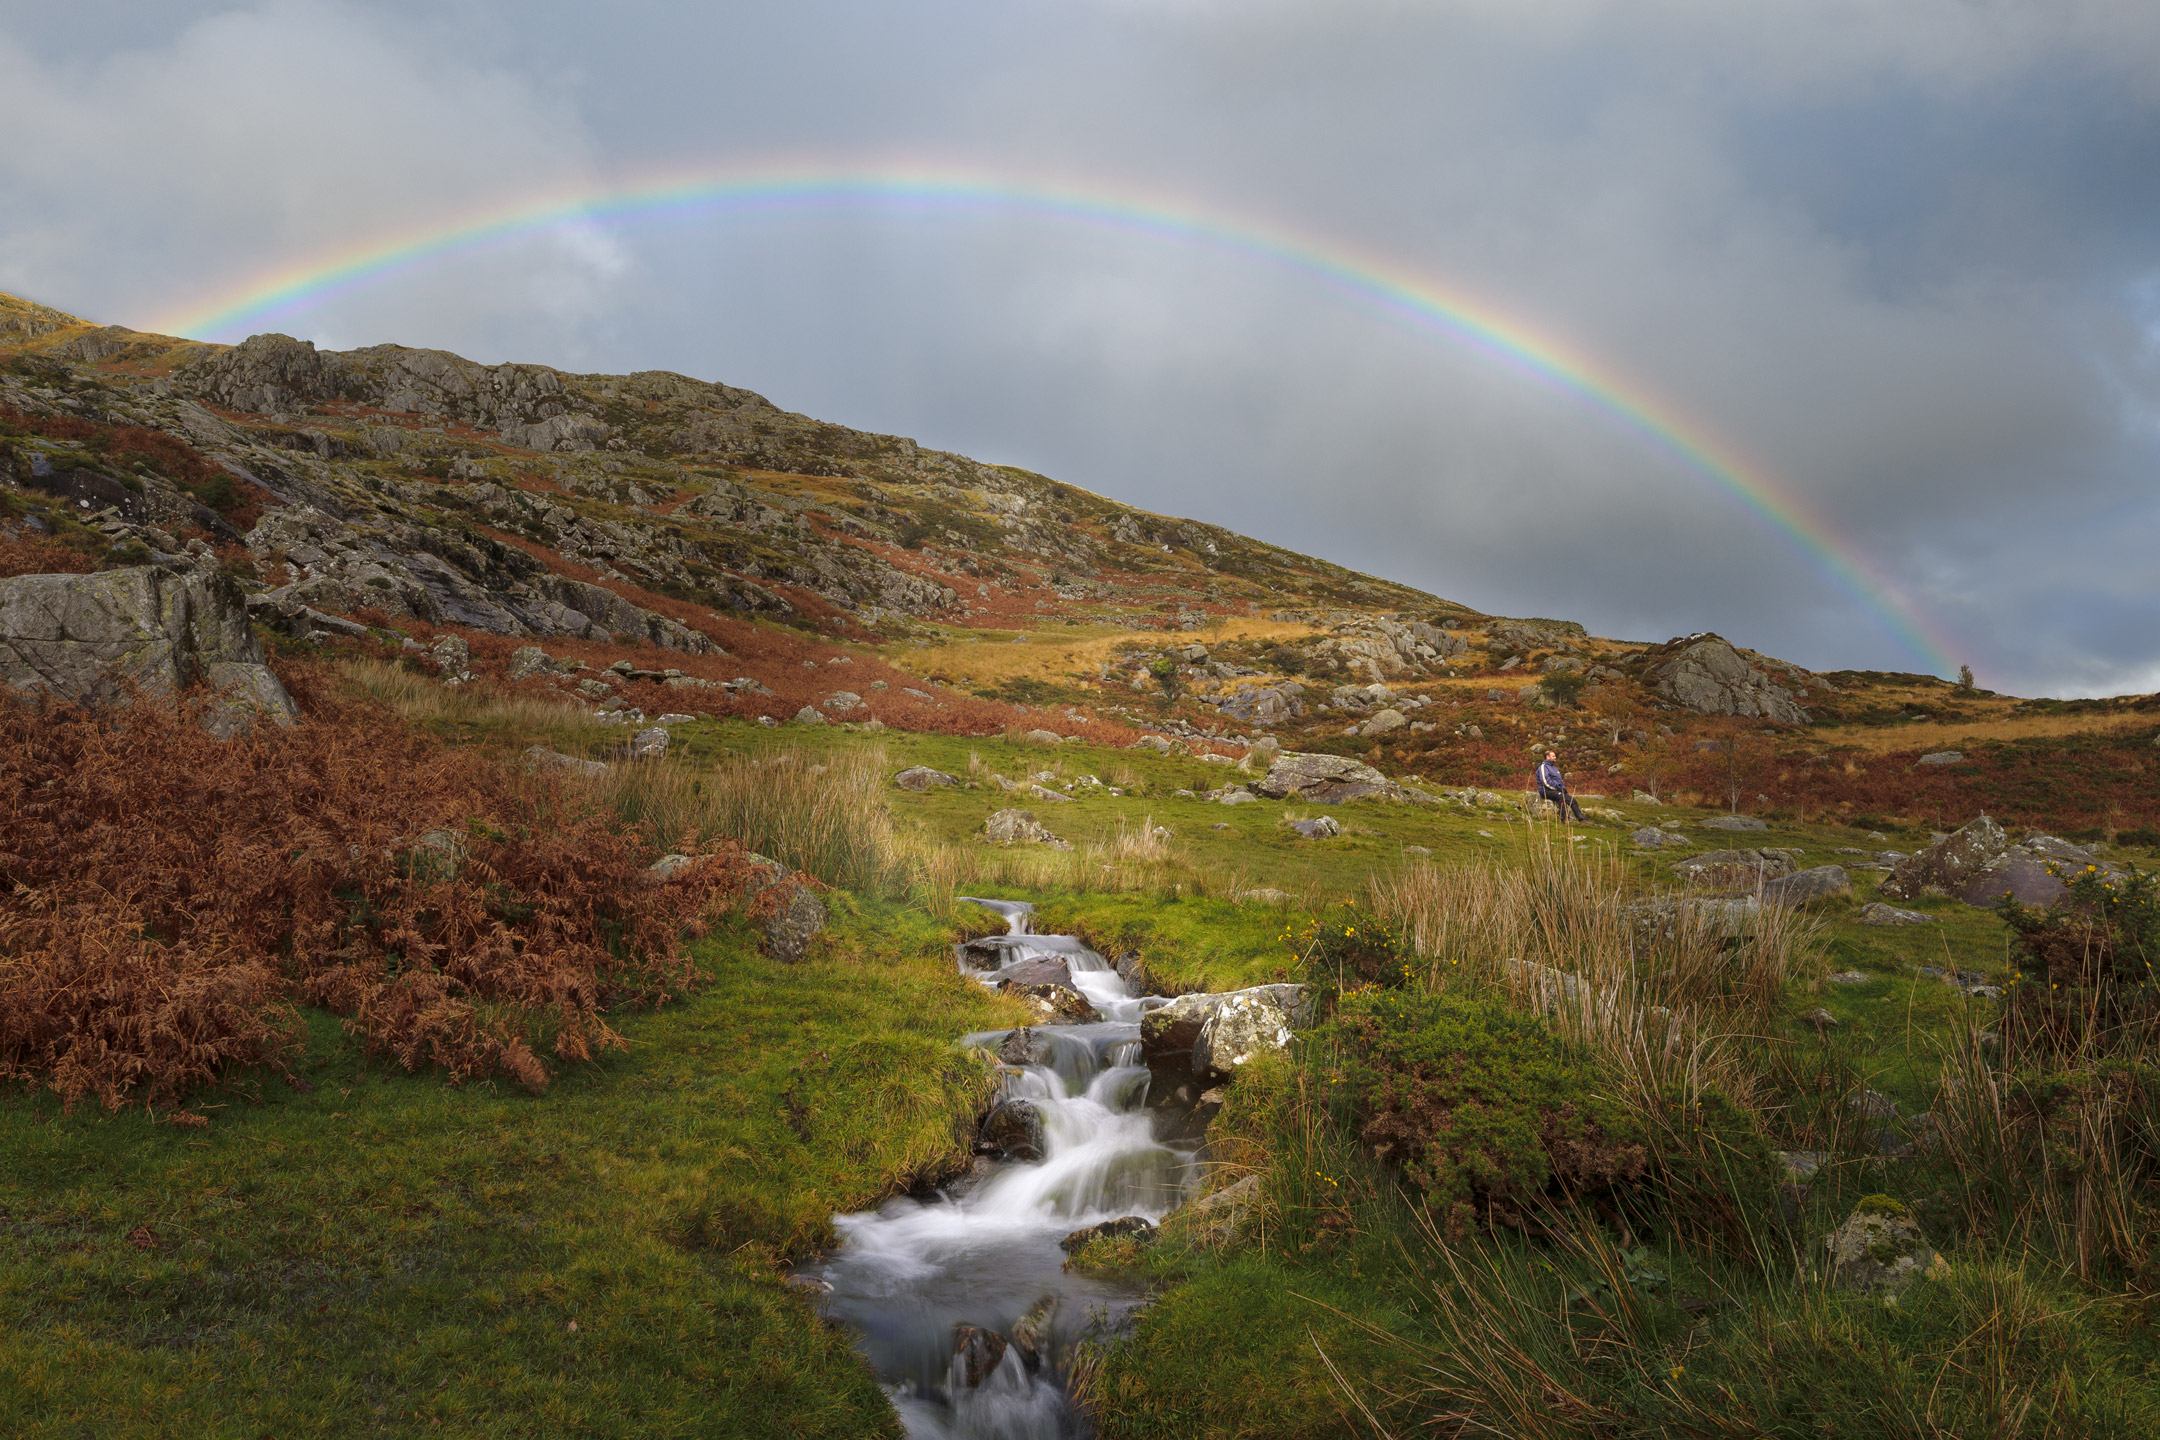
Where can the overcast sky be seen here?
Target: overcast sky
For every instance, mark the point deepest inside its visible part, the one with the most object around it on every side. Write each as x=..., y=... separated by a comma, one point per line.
x=1902, y=257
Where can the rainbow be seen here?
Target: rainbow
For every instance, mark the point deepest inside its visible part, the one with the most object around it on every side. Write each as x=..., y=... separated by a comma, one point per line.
x=1369, y=280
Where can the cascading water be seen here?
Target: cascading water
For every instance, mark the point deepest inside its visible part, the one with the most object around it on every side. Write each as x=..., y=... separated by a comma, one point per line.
x=961, y=1301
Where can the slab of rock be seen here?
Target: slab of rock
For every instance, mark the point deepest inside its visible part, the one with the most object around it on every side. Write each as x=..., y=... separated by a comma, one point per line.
x=648, y=744
x=1946, y=866
x=1042, y=970
x=1661, y=919
x=792, y=914
x=1877, y=913
x=452, y=656
x=1324, y=780
x=1822, y=882
x=1707, y=675
x=1020, y=827
x=1735, y=869
x=86, y=638
x=1321, y=829
x=1652, y=838
x=1879, y=1250
x=1043, y=737
x=1139, y=1228
x=1942, y=757
x=539, y=757
x=921, y=777
x=842, y=701
x=809, y=715
x=1734, y=822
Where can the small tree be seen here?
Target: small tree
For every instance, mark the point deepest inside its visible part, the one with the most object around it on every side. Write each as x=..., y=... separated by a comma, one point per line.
x=1965, y=680
x=1166, y=675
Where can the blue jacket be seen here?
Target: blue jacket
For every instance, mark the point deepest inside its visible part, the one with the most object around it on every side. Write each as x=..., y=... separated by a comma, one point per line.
x=1548, y=776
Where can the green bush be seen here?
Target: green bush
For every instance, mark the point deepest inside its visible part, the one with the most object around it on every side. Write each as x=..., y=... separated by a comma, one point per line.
x=1486, y=1109
x=1349, y=948
x=2085, y=963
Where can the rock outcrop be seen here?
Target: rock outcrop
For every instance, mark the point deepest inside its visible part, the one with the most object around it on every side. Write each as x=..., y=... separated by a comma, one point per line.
x=90, y=638
x=1950, y=864
x=1325, y=780
x=1198, y=1040
x=1708, y=676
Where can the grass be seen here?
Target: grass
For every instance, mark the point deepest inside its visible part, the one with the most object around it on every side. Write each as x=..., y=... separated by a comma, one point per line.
x=379, y=1254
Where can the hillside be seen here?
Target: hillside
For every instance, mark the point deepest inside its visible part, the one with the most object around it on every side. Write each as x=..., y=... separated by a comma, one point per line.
x=421, y=494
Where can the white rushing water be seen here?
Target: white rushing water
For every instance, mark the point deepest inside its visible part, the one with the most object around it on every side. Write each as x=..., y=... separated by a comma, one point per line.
x=908, y=1277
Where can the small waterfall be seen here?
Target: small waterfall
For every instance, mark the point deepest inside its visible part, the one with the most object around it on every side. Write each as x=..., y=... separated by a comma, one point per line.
x=961, y=1301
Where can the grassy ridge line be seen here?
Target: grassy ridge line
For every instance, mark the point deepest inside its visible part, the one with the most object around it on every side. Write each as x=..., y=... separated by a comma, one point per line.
x=381, y=1254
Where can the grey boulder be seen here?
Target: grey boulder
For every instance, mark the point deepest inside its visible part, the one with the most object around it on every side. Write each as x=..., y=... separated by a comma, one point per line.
x=1325, y=780
x=88, y=638
x=1948, y=865
x=919, y=778
x=1823, y=882
x=1710, y=677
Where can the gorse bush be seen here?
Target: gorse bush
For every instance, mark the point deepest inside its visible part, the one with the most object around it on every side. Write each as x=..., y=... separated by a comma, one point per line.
x=1347, y=948
x=1486, y=1109
x=2086, y=963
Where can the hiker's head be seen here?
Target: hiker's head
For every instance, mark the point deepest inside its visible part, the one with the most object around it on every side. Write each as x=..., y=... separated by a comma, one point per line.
x=1552, y=754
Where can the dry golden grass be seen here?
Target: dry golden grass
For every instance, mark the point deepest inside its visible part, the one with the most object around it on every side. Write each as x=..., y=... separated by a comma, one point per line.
x=421, y=699
x=1052, y=656
x=1926, y=735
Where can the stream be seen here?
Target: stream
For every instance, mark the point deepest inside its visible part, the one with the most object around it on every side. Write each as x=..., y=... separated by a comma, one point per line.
x=961, y=1301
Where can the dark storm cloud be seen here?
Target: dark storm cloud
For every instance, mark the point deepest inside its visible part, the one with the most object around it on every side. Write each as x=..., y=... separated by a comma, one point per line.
x=1901, y=257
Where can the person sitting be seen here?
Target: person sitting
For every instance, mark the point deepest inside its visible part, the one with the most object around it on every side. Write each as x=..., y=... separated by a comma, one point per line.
x=1551, y=785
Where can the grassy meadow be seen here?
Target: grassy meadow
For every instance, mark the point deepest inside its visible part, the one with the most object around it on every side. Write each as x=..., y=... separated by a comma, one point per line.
x=359, y=1248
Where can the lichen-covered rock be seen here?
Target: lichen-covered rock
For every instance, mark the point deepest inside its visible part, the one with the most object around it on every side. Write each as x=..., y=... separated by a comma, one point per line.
x=1024, y=1047
x=649, y=744
x=1243, y=1026
x=1215, y=1220
x=1135, y=1227
x=919, y=778
x=1171, y=1036
x=87, y=638
x=1946, y=866
x=1879, y=1250
x=1322, y=828
x=539, y=757
x=1042, y=970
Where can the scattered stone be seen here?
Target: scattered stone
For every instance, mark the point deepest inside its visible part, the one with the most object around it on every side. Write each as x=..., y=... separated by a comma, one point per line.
x=1942, y=757
x=1819, y=1019
x=1234, y=795
x=527, y=661
x=1874, y=1105
x=1264, y=895
x=841, y=702
x=1851, y=977
x=1875, y=912
x=1031, y=1334
x=1043, y=737
x=452, y=657
x=1383, y=722
x=1246, y=1024
x=1734, y=822
x=1042, y=792
x=793, y=918
x=1879, y=1250
x=1020, y=827
x=649, y=744
x=809, y=715
x=1320, y=829
x=1644, y=797
x=539, y=757
x=1171, y=1034
x=921, y=777
x=1652, y=838
x=1660, y=920
x=1801, y=1166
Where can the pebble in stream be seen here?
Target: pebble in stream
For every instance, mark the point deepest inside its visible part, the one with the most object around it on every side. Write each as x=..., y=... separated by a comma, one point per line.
x=961, y=1302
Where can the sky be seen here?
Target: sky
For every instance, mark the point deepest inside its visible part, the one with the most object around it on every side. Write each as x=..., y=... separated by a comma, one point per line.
x=1897, y=262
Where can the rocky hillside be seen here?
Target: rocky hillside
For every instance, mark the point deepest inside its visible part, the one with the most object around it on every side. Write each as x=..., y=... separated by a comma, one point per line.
x=412, y=495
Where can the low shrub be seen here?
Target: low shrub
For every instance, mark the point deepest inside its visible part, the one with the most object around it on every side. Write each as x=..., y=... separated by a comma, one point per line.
x=1486, y=1110
x=2085, y=963
x=1348, y=947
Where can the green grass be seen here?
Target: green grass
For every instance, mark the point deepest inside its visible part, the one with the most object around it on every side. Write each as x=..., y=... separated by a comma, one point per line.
x=383, y=1254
